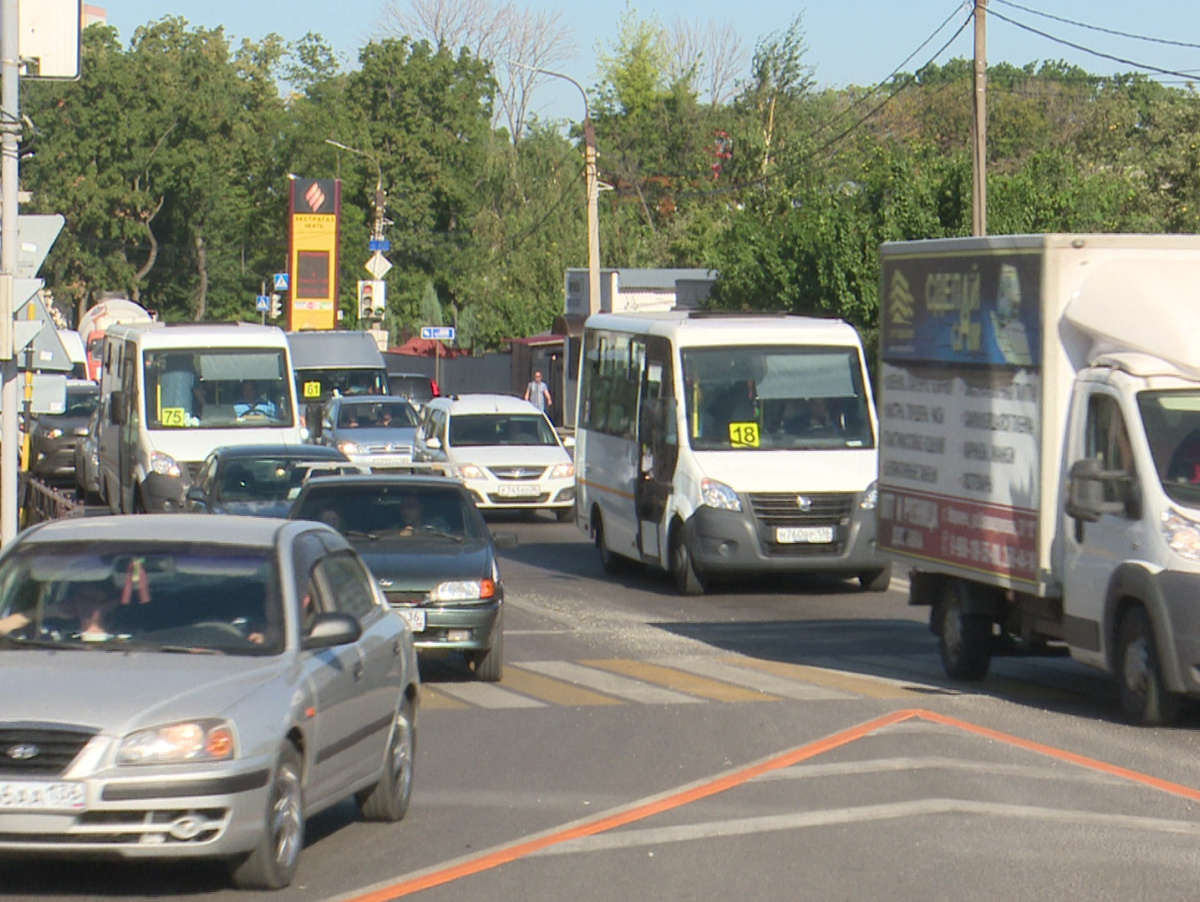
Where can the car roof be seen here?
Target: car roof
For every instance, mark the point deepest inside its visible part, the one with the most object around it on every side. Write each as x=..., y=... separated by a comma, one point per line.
x=219, y=529
x=483, y=403
x=297, y=452
x=344, y=400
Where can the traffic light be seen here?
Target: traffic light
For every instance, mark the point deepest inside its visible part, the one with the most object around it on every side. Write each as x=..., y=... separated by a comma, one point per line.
x=372, y=299
x=276, y=306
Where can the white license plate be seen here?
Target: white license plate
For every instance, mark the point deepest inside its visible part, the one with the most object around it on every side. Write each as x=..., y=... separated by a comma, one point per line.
x=382, y=461
x=520, y=490
x=812, y=535
x=28, y=795
x=415, y=618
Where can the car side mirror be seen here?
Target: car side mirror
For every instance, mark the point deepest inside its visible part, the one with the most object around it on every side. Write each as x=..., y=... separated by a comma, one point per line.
x=433, y=442
x=196, y=495
x=331, y=628
x=506, y=540
x=568, y=441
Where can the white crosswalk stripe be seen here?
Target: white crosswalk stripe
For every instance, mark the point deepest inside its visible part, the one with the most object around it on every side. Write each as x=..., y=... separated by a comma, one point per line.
x=752, y=679
x=610, y=683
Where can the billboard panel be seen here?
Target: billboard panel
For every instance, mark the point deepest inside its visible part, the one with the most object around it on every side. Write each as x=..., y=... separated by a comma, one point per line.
x=315, y=215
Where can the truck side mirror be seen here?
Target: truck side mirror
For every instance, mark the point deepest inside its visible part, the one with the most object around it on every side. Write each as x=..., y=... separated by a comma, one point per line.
x=1086, y=492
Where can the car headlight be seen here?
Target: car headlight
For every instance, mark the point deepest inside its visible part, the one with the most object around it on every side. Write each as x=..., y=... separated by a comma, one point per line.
x=53, y=433
x=562, y=471
x=1182, y=534
x=164, y=464
x=870, y=498
x=470, y=471
x=348, y=447
x=177, y=743
x=719, y=495
x=463, y=590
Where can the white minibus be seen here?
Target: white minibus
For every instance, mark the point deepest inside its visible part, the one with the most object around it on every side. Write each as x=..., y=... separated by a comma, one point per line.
x=722, y=445
x=177, y=391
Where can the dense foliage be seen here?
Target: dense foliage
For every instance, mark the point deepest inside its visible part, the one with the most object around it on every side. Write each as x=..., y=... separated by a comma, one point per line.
x=170, y=160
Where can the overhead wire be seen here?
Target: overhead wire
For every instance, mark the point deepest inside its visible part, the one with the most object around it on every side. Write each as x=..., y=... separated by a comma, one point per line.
x=1084, y=49
x=1112, y=31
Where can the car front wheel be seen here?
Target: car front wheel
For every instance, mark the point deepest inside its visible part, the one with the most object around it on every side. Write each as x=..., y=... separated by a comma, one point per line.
x=272, y=864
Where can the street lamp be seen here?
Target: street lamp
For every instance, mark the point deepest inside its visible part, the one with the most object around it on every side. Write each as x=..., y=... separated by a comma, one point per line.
x=380, y=197
x=593, y=189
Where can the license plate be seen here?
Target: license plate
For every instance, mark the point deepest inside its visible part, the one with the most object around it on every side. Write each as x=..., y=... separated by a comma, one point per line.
x=812, y=535
x=520, y=490
x=28, y=795
x=415, y=618
x=382, y=461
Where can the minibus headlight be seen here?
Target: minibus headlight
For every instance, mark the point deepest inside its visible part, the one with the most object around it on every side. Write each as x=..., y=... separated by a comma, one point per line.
x=870, y=498
x=719, y=495
x=164, y=464
x=1182, y=534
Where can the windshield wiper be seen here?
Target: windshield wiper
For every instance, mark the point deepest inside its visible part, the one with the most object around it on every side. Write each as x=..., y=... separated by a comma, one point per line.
x=359, y=534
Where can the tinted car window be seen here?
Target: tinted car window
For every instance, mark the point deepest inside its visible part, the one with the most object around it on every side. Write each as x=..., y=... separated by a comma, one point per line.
x=347, y=585
x=419, y=388
x=386, y=511
x=376, y=415
x=500, y=429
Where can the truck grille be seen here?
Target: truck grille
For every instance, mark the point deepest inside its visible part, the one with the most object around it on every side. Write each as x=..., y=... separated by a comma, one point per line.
x=774, y=510
x=39, y=750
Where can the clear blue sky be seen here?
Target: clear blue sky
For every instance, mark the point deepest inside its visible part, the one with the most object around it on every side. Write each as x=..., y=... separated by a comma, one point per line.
x=849, y=42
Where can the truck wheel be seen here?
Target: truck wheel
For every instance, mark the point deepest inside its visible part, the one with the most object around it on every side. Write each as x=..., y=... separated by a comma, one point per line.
x=1144, y=699
x=965, y=640
x=683, y=571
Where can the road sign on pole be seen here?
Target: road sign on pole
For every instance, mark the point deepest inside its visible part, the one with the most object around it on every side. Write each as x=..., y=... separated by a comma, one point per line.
x=438, y=333
x=262, y=303
x=281, y=281
x=378, y=265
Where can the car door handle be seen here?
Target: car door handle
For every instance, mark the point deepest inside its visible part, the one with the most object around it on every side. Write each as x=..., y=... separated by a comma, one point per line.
x=359, y=670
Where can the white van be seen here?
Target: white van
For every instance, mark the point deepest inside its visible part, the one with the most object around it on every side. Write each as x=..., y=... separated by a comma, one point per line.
x=177, y=391
x=504, y=450
x=728, y=445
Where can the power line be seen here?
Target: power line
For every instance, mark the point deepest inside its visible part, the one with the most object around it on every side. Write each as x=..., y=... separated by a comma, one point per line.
x=1147, y=67
x=1112, y=31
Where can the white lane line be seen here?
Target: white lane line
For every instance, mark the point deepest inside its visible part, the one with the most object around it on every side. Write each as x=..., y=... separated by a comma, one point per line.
x=752, y=679
x=933, y=762
x=610, y=683
x=626, y=839
x=485, y=695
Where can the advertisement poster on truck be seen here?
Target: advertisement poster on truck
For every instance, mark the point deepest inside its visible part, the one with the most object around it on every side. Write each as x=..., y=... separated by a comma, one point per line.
x=961, y=415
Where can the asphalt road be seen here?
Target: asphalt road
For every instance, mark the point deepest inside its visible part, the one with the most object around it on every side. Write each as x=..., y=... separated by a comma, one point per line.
x=785, y=739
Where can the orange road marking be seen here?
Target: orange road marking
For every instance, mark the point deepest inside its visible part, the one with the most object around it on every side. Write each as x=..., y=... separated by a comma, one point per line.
x=697, y=791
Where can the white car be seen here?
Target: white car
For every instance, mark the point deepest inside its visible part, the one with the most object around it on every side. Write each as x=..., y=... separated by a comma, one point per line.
x=505, y=451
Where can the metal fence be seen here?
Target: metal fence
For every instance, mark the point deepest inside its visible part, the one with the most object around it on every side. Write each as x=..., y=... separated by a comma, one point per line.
x=40, y=501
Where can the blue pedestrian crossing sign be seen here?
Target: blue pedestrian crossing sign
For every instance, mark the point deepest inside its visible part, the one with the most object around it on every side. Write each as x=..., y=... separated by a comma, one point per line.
x=262, y=303
x=281, y=281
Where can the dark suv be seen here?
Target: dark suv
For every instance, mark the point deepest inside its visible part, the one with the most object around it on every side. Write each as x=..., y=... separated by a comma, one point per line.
x=417, y=387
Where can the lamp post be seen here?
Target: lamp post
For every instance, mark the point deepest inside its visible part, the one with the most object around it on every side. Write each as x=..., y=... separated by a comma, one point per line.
x=593, y=189
x=380, y=195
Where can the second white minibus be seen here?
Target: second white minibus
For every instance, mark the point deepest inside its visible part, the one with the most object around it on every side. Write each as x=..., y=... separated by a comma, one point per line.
x=174, y=392
x=719, y=445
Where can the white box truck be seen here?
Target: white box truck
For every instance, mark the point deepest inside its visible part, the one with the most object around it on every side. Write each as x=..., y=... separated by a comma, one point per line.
x=1039, y=458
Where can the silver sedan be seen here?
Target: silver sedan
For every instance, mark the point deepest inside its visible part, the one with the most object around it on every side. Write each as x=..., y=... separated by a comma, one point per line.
x=188, y=685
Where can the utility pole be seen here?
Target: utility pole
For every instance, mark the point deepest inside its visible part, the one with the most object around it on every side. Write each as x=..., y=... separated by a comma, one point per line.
x=979, y=127
x=10, y=134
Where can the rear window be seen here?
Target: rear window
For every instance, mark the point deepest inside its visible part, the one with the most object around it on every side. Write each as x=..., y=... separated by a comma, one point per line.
x=419, y=388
